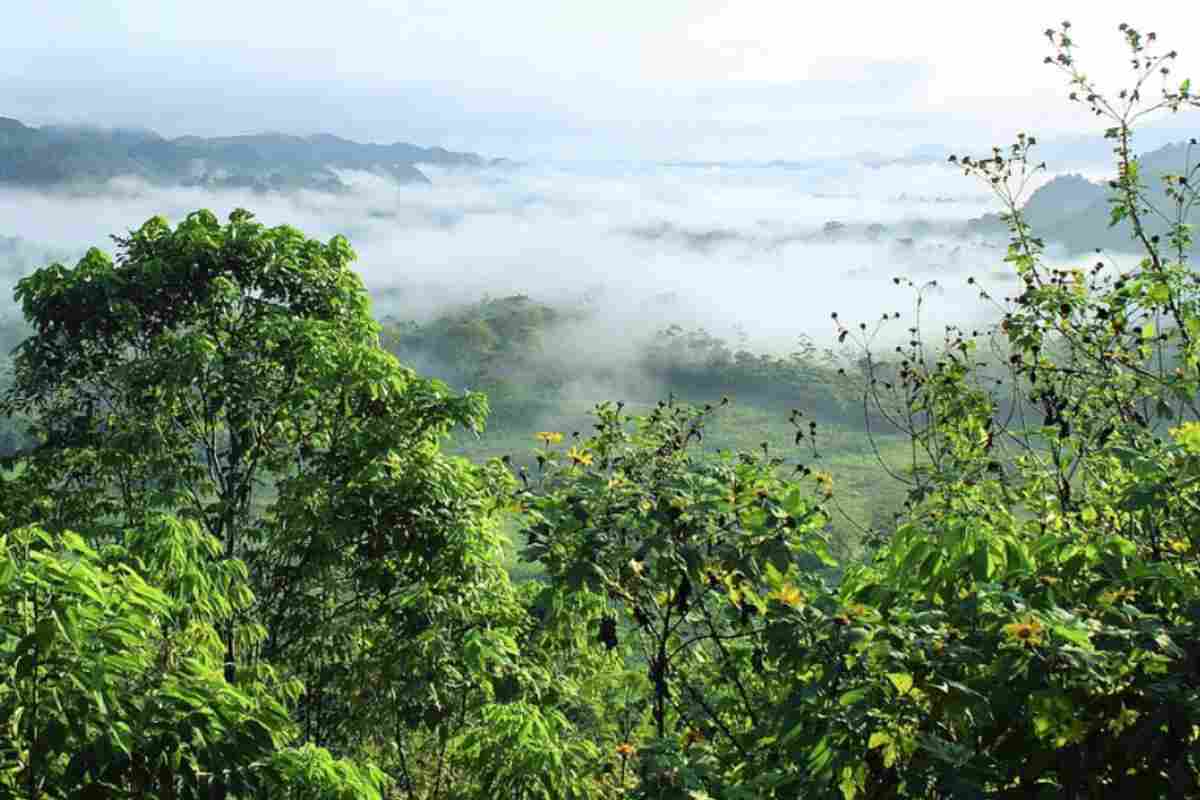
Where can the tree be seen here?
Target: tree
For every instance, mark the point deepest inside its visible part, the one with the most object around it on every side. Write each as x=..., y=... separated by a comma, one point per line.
x=232, y=374
x=112, y=678
x=685, y=557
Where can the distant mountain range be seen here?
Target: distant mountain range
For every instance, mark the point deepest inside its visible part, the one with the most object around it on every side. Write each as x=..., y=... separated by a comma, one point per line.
x=1074, y=211
x=57, y=155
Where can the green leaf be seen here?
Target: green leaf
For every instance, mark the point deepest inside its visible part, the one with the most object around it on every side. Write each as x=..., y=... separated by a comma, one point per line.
x=794, y=502
x=981, y=562
x=1072, y=634
x=902, y=681
x=1159, y=294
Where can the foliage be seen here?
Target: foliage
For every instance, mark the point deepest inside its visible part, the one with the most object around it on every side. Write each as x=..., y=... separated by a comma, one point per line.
x=694, y=363
x=1036, y=607
x=237, y=562
x=688, y=553
x=523, y=750
x=497, y=346
x=1027, y=628
x=505, y=347
x=113, y=675
x=232, y=374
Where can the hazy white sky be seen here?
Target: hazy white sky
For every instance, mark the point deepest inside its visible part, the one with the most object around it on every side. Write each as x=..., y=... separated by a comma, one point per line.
x=569, y=79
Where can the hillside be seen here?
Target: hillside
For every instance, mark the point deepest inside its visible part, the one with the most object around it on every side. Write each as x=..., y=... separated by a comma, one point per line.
x=1075, y=212
x=55, y=156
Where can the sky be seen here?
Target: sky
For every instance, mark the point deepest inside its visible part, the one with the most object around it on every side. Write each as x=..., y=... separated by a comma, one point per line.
x=569, y=80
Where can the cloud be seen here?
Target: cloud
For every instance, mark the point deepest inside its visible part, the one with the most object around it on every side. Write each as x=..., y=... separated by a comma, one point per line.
x=727, y=248
x=745, y=252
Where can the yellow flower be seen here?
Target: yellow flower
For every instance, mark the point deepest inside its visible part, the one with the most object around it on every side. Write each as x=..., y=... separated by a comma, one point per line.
x=1179, y=545
x=636, y=566
x=579, y=456
x=1188, y=435
x=1028, y=633
x=1117, y=596
x=549, y=437
x=789, y=595
x=1124, y=718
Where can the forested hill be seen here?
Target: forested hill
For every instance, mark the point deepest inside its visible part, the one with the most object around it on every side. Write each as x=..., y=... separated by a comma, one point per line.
x=1075, y=212
x=52, y=155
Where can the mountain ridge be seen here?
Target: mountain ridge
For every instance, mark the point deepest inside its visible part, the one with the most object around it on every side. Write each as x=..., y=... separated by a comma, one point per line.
x=51, y=155
x=1075, y=211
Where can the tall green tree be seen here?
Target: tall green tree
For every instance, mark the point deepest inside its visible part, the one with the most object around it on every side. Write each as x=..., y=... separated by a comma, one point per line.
x=232, y=374
x=112, y=677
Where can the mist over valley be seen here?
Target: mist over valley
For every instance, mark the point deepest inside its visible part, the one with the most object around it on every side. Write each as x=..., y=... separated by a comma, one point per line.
x=613, y=276
x=769, y=249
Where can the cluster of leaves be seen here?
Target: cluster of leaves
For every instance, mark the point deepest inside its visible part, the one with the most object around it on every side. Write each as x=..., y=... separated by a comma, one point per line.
x=689, y=563
x=113, y=676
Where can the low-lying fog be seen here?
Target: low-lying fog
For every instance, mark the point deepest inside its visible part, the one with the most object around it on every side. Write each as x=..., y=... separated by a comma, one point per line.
x=769, y=251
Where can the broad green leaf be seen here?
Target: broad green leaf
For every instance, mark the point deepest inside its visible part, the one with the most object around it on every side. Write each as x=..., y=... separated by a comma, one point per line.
x=902, y=681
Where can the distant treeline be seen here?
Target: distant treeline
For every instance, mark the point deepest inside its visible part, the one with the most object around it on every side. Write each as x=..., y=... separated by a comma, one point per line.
x=503, y=347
